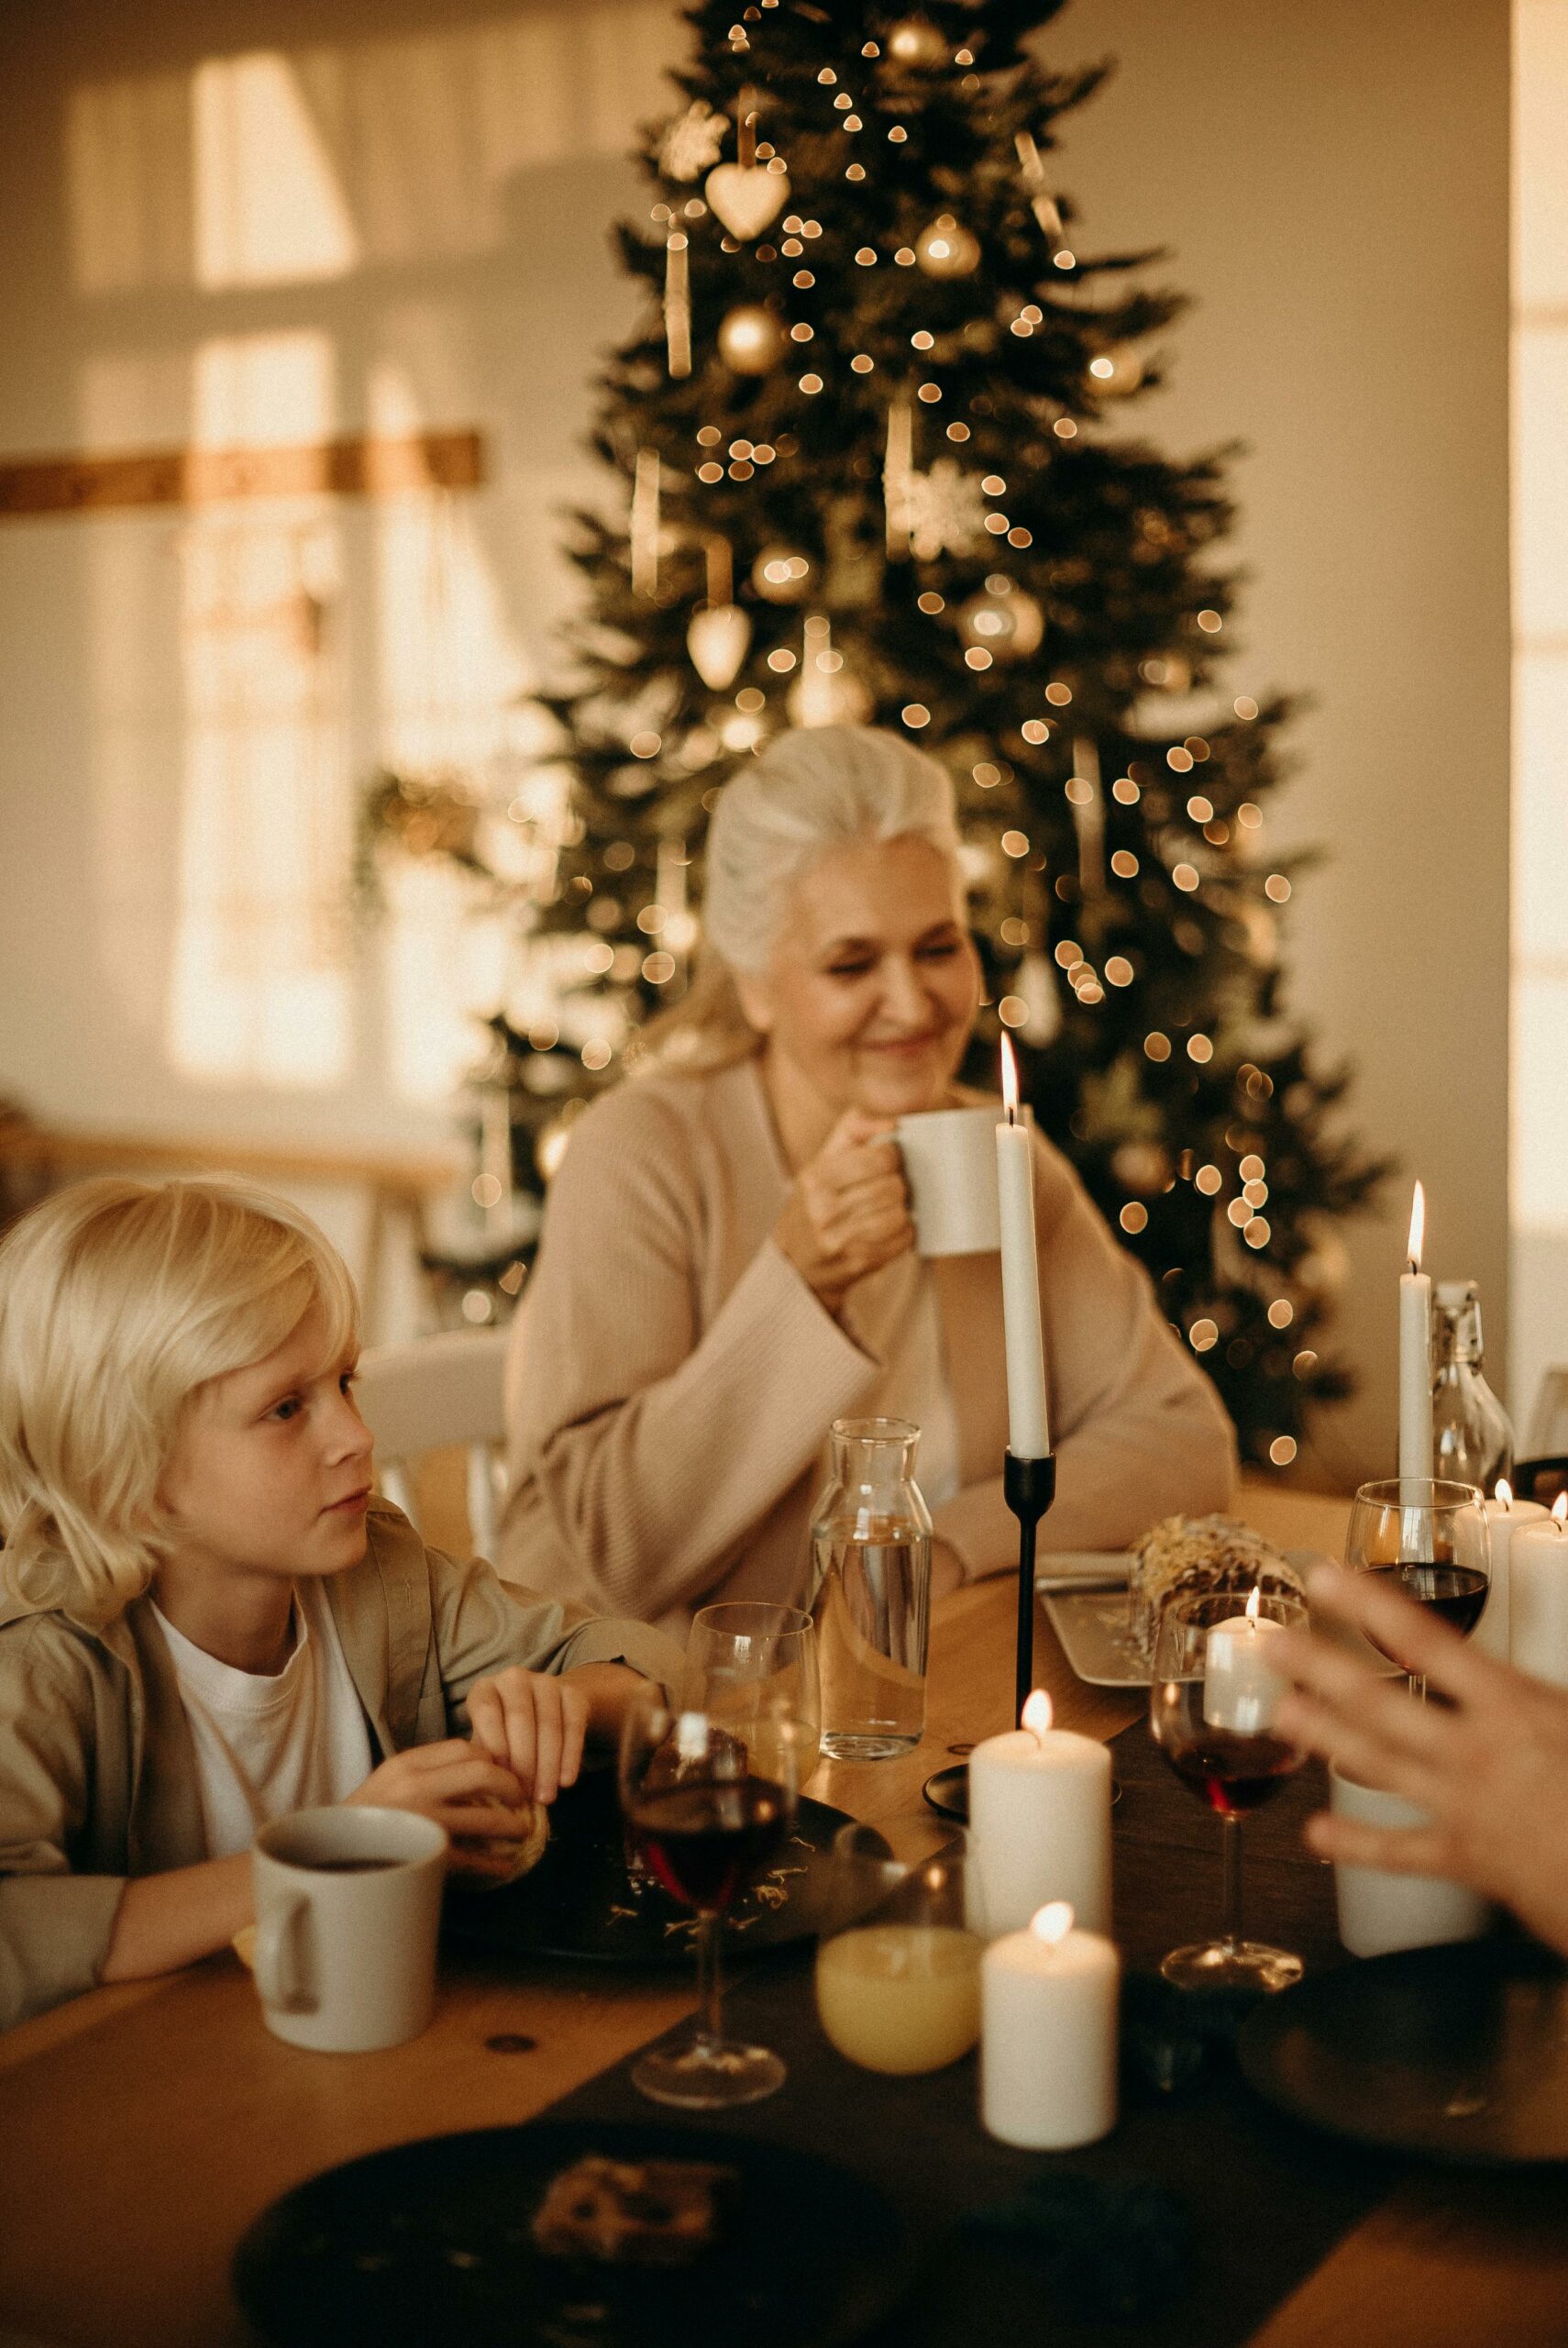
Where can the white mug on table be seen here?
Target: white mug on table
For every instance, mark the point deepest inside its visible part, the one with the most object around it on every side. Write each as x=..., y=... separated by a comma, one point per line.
x=347, y=1907
x=1379, y=1911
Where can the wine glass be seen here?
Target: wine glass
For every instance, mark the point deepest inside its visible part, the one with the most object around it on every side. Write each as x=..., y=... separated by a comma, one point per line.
x=1428, y=1537
x=1211, y=1701
x=706, y=1808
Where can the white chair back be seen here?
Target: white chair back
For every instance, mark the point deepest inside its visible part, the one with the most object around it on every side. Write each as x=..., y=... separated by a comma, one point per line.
x=432, y=1394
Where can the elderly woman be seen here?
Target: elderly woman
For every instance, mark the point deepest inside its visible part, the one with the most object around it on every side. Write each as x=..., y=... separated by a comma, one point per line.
x=728, y=1261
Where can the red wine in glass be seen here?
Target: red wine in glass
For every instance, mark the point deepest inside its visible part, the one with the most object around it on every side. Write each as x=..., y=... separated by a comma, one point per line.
x=704, y=1842
x=1233, y=1774
x=1457, y=1594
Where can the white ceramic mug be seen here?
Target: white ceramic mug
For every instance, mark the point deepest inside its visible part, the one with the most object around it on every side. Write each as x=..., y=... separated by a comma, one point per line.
x=950, y=1163
x=348, y=1906
x=1379, y=1911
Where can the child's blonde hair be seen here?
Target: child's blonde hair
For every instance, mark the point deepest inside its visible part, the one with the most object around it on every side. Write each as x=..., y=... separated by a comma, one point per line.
x=118, y=1300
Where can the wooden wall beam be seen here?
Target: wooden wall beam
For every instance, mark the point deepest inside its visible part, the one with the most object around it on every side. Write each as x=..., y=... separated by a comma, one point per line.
x=358, y=466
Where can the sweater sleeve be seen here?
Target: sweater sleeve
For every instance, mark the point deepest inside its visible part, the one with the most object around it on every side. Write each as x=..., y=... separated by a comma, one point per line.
x=1139, y=1431
x=652, y=1446
x=483, y=1625
x=55, y=1925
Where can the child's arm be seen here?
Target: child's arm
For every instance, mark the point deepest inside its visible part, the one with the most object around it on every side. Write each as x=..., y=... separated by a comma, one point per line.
x=166, y=1920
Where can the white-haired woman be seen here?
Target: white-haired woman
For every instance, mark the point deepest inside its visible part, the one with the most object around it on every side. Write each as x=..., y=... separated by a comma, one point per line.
x=728, y=1261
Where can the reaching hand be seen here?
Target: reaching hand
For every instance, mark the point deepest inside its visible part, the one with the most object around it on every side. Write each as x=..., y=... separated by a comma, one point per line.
x=1490, y=1767
x=534, y=1723
x=848, y=1210
x=474, y=1798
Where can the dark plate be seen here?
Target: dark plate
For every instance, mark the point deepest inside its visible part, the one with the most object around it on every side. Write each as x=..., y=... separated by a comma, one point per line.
x=1459, y=2053
x=428, y=2244
x=580, y=1902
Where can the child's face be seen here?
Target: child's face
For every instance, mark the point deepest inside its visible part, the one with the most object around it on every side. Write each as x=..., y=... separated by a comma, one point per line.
x=270, y=1472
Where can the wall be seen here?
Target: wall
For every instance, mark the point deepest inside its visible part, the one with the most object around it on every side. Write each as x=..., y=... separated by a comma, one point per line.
x=1541, y=707
x=1332, y=186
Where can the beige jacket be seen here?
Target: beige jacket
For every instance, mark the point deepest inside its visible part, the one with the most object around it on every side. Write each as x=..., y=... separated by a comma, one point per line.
x=98, y=1772
x=671, y=1377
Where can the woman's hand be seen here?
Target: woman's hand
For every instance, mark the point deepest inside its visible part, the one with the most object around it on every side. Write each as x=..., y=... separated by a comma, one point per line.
x=1490, y=1767
x=455, y=1783
x=848, y=1210
x=531, y=1722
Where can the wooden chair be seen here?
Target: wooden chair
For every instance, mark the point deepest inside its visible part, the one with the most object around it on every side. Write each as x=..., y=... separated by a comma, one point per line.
x=431, y=1394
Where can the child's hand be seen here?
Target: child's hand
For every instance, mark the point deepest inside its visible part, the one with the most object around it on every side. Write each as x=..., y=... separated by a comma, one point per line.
x=455, y=1784
x=531, y=1722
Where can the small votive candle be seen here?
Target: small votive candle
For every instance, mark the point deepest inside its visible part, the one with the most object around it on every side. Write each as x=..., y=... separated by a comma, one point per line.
x=900, y=1997
x=1240, y=1691
x=1039, y=1823
x=1048, y=2008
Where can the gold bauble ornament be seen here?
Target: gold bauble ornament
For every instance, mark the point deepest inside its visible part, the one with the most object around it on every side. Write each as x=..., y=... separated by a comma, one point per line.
x=915, y=41
x=1002, y=619
x=781, y=574
x=1114, y=374
x=946, y=248
x=751, y=341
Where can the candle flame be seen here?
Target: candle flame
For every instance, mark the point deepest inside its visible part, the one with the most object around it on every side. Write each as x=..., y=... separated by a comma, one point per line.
x=1037, y=1714
x=1009, y=1080
x=1254, y=1603
x=1504, y=1491
x=1053, y=1922
x=1418, y=1227
x=1560, y=1507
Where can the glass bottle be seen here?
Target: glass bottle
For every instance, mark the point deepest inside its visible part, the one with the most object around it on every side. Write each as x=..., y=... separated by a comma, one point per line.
x=871, y=1591
x=1473, y=1441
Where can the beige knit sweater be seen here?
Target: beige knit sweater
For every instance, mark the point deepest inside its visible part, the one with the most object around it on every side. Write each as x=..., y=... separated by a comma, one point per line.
x=671, y=1377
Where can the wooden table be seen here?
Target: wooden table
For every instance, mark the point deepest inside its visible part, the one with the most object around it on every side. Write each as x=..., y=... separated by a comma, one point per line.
x=143, y=2127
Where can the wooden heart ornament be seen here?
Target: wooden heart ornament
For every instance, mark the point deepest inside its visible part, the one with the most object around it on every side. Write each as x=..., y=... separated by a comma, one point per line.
x=746, y=197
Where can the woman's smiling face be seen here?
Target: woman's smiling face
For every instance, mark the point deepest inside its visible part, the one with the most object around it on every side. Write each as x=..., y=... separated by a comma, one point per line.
x=871, y=988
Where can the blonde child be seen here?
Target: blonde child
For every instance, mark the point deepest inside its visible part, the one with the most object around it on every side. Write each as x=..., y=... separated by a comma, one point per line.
x=205, y=1617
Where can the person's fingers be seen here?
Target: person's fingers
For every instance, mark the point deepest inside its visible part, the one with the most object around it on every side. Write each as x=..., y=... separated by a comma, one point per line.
x=857, y=1126
x=1415, y=1637
x=574, y=1733
x=1397, y=1850
x=546, y=1782
x=486, y=1716
x=481, y=1821
x=1372, y=1751
x=869, y=1194
x=467, y=1774
x=1353, y=1692
x=518, y=1697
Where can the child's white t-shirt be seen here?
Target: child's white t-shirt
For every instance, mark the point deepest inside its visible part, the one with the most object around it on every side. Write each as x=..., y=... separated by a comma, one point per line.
x=266, y=1745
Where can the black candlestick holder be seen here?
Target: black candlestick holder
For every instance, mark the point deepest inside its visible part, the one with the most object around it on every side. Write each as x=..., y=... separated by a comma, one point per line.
x=1029, y=1486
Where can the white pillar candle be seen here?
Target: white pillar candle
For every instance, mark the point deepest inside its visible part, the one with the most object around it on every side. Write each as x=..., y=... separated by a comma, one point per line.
x=1048, y=2000
x=1505, y=1517
x=1416, y=1351
x=1240, y=1691
x=1028, y=1425
x=1538, y=1601
x=1038, y=1824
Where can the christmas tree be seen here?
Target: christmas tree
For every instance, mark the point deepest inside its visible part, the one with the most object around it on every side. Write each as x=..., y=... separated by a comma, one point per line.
x=874, y=462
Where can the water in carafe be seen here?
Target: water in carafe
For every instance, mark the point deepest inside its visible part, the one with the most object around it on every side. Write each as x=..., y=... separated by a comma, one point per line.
x=871, y=1603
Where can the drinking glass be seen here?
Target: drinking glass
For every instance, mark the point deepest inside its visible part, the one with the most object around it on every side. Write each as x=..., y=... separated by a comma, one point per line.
x=871, y=1591
x=748, y=1664
x=898, y=1975
x=706, y=1806
x=1219, y=1739
x=1428, y=1537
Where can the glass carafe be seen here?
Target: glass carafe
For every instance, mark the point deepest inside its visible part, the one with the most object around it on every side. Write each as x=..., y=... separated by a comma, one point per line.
x=1472, y=1442
x=871, y=1591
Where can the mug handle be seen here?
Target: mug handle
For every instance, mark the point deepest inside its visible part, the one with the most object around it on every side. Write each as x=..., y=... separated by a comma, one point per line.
x=277, y=1973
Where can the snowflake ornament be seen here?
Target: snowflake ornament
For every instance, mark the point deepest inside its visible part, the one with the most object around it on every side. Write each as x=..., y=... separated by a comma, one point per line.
x=694, y=140
x=947, y=510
